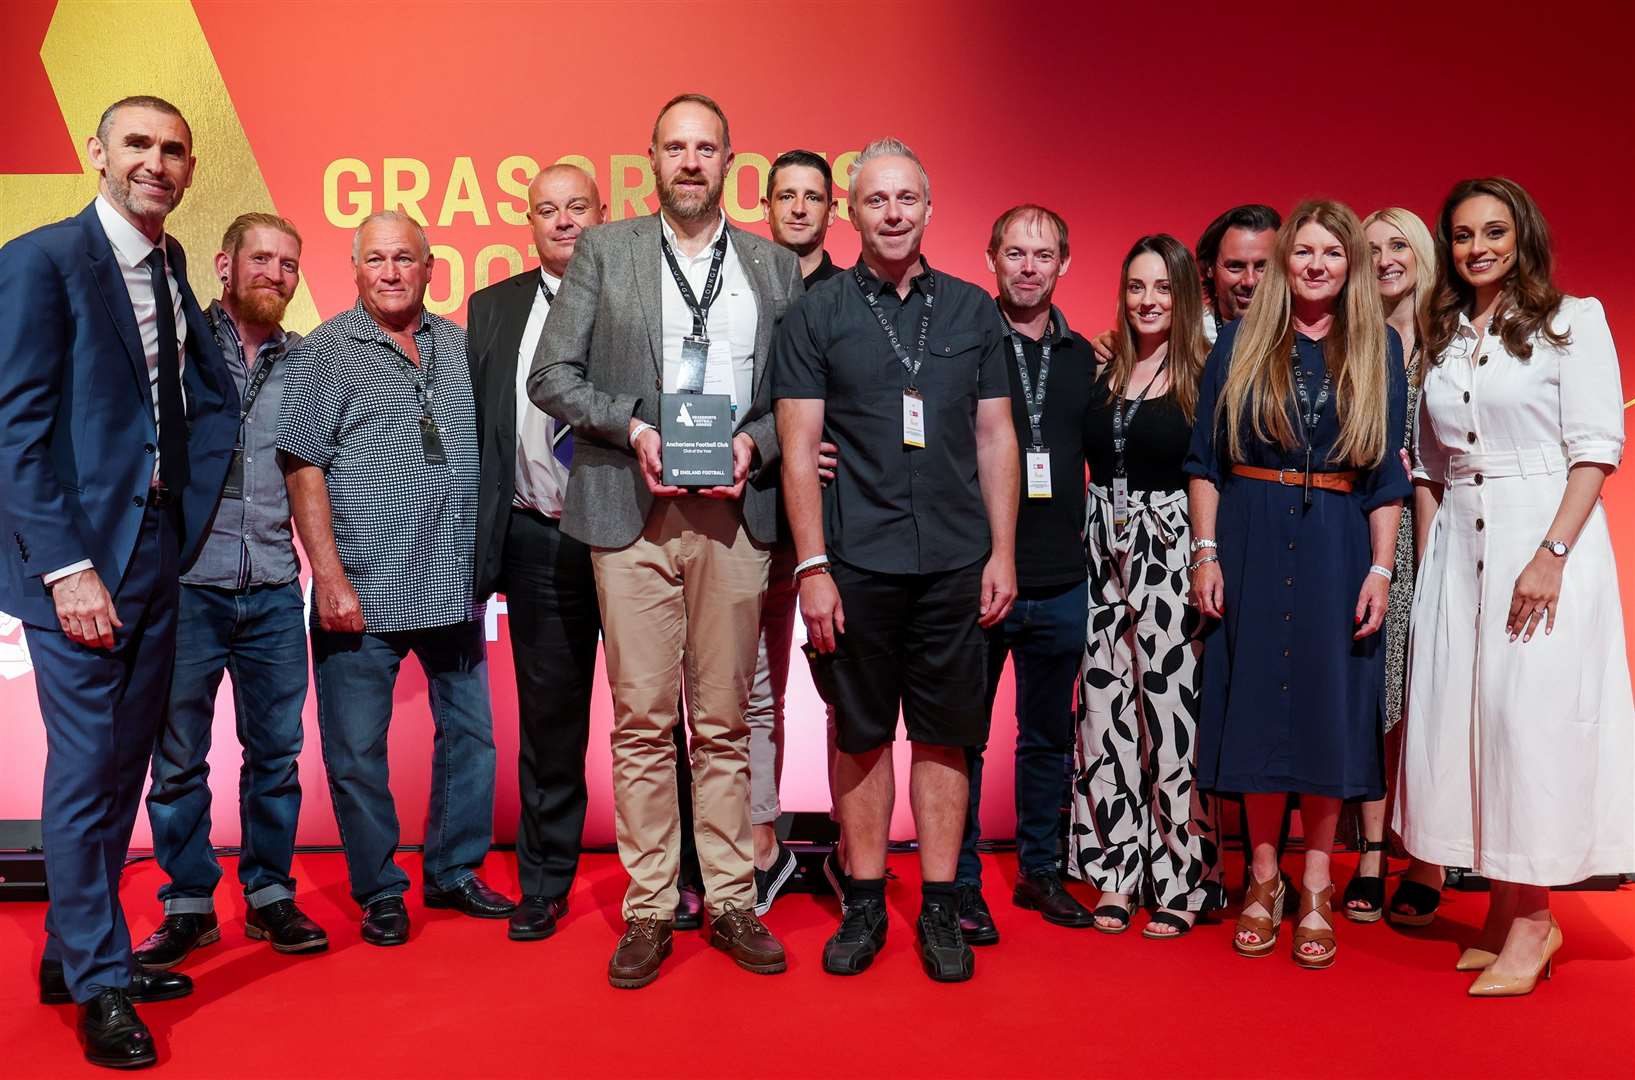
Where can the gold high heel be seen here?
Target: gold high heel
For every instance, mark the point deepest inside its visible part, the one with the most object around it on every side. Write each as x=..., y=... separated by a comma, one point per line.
x=1475, y=960
x=1489, y=985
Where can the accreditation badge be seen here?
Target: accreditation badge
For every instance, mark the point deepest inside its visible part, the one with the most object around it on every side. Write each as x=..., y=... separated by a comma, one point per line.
x=1038, y=473
x=695, y=362
x=1121, y=502
x=913, y=419
x=233, y=488
x=431, y=442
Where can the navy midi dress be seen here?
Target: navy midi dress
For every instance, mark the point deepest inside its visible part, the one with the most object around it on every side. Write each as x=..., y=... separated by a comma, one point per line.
x=1290, y=701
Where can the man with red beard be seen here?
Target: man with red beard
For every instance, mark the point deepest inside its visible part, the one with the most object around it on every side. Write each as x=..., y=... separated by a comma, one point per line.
x=240, y=609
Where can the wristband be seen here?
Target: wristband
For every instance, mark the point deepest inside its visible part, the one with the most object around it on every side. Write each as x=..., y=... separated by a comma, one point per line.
x=1202, y=545
x=1382, y=571
x=815, y=560
x=1205, y=561
x=641, y=426
x=811, y=571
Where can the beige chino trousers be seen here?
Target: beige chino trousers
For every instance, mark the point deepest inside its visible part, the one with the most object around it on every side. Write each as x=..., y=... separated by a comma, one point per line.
x=681, y=610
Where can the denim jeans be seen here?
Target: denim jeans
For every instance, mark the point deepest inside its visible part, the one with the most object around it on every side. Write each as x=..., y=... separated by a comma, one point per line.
x=354, y=675
x=1045, y=633
x=258, y=636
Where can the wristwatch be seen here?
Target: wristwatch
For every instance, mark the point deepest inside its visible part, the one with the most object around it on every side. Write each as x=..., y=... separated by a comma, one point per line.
x=1556, y=548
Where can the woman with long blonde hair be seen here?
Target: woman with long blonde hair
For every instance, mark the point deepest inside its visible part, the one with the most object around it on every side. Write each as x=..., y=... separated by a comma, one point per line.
x=1295, y=494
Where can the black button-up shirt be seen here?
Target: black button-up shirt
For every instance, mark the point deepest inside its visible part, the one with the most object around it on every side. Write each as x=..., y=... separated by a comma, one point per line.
x=894, y=509
x=825, y=270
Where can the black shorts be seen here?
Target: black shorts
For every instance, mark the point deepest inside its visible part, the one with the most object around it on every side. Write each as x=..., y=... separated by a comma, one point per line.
x=911, y=642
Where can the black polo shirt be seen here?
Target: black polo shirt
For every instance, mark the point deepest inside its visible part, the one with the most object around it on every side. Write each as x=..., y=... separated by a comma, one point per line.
x=825, y=270
x=894, y=509
x=1050, y=532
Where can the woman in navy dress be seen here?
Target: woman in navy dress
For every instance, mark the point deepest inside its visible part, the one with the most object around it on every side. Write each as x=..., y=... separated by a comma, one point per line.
x=1295, y=496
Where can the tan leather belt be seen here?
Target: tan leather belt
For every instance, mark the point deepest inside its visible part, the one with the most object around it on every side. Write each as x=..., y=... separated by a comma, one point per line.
x=1342, y=482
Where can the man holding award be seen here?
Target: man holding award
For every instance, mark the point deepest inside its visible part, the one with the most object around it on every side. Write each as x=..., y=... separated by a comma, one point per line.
x=655, y=354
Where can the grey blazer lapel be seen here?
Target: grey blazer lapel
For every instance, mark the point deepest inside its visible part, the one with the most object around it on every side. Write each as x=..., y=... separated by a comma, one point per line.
x=759, y=272
x=644, y=263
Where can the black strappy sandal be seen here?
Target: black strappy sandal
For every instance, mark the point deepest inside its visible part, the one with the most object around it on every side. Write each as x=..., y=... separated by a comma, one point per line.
x=1367, y=889
x=1166, y=918
x=1421, y=901
x=1113, y=911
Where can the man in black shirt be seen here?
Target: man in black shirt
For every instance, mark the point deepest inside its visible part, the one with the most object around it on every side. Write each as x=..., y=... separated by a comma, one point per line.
x=800, y=207
x=1050, y=370
x=909, y=553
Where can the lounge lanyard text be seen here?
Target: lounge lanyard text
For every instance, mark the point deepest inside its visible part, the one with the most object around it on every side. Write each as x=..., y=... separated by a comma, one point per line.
x=913, y=403
x=1309, y=414
x=1036, y=461
x=1121, y=425
x=233, y=486
x=695, y=347
x=421, y=378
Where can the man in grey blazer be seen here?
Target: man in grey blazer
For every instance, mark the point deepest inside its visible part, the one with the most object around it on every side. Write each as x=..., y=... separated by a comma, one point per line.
x=680, y=573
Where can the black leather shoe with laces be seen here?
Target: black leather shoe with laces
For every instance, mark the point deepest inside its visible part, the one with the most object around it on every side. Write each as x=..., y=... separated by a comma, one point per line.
x=177, y=936
x=386, y=922
x=975, y=920
x=285, y=927
x=861, y=936
x=1045, y=893
x=145, y=985
x=112, y=1034
x=943, y=951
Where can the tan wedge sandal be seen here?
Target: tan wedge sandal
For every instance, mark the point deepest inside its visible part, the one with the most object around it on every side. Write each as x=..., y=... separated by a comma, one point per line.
x=1269, y=895
x=1322, y=904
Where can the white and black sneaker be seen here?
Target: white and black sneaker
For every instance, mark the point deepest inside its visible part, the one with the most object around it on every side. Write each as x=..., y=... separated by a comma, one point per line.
x=770, y=882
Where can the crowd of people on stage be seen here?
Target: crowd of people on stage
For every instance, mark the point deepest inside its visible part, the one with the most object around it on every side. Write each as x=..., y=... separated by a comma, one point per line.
x=1343, y=495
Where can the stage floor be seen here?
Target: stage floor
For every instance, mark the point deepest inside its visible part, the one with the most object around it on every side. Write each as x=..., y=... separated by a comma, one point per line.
x=462, y=1001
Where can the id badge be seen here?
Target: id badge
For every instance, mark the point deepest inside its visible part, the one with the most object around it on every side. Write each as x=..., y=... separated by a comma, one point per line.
x=1038, y=466
x=695, y=363
x=431, y=443
x=1121, y=502
x=234, y=487
x=913, y=419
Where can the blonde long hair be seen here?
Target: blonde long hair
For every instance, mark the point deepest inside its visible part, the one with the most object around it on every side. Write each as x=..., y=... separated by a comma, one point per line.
x=1187, y=348
x=1426, y=281
x=1260, y=382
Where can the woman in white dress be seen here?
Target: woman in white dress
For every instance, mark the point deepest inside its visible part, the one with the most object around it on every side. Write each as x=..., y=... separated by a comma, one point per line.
x=1520, y=734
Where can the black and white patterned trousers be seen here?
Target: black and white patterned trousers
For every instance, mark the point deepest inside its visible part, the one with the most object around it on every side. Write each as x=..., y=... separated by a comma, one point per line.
x=1141, y=826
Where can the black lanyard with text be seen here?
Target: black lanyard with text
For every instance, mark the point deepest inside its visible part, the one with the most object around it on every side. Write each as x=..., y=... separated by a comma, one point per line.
x=1122, y=422
x=421, y=378
x=699, y=307
x=1309, y=414
x=545, y=291
x=911, y=363
x=258, y=377
x=1035, y=406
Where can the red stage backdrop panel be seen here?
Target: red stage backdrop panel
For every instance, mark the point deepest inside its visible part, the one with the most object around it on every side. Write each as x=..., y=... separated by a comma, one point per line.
x=1125, y=120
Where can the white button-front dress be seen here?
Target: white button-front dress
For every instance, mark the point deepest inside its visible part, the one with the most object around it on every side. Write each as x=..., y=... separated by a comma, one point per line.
x=1518, y=757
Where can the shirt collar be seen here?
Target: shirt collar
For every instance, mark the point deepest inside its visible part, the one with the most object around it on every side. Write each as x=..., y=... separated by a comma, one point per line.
x=552, y=282
x=670, y=234
x=357, y=322
x=126, y=239
x=878, y=286
x=1056, y=330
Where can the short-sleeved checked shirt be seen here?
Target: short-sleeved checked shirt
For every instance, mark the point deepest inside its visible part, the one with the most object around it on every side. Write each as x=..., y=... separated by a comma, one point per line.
x=405, y=529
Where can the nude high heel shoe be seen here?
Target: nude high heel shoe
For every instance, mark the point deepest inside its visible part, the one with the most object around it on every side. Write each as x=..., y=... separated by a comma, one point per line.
x=1475, y=960
x=1490, y=985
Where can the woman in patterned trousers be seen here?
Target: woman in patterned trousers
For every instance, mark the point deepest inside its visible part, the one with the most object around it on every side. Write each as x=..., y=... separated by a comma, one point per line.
x=1142, y=831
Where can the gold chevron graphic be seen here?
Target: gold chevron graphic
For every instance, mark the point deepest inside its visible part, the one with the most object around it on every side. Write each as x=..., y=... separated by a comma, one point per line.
x=98, y=51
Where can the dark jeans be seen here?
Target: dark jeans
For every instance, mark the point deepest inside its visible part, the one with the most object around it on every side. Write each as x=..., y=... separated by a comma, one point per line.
x=354, y=675
x=1045, y=633
x=102, y=709
x=260, y=637
x=550, y=597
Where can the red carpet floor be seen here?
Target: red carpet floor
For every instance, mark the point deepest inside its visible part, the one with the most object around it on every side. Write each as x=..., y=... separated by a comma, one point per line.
x=461, y=1001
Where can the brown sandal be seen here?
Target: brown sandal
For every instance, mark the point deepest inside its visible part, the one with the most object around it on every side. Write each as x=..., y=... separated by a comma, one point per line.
x=1269, y=895
x=1321, y=903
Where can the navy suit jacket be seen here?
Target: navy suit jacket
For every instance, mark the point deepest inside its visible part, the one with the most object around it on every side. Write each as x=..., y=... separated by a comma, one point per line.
x=77, y=433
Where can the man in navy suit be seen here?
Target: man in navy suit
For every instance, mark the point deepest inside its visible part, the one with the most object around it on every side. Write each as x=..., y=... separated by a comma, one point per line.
x=117, y=419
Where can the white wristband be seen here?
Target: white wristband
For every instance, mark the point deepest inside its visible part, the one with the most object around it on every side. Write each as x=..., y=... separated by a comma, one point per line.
x=1382, y=571
x=1201, y=545
x=641, y=426
x=815, y=560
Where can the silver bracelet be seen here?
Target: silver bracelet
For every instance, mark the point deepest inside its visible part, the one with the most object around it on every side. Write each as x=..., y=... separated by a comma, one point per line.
x=1382, y=571
x=1203, y=545
x=1205, y=561
x=815, y=560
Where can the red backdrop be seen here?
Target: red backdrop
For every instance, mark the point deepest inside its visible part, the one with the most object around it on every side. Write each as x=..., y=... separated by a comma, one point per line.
x=1126, y=118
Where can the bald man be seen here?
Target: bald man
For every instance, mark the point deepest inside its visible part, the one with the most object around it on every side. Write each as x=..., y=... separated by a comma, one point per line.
x=544, y=573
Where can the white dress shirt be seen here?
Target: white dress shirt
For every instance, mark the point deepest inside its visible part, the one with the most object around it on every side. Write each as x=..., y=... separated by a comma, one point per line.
x=131, y=249
x=541, y=480
x=731, y=322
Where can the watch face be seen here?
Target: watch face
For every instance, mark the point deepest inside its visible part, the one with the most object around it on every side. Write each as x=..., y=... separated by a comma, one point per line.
x=1556, y=547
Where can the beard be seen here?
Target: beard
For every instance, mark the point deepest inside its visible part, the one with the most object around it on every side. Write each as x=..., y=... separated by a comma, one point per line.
x=140, y=203
x=259, y=306
x=690, y=204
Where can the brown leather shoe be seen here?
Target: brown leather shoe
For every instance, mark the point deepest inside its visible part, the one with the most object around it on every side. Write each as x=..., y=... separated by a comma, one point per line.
x=636, y=960
x=752, y=947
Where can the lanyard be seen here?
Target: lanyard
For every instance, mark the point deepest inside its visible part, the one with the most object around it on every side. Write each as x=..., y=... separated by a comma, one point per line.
x=1036, y=406
x=1309, y=414
x=422, y=376
x=258, y=377
x=545, y=291
x=1121, y=422
x=699, y=308
x=911, y=364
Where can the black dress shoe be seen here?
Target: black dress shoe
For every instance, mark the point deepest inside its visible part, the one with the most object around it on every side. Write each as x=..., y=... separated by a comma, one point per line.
x=283, y=924
x=386, y=921
x=145, y=985
x=535, y=918
x=975, y=920
x=1045, y=893
x=943, y=951
x=177, y=936
x=690, y=908
x=112, y=1034
x=861, y=936
x=471, y=897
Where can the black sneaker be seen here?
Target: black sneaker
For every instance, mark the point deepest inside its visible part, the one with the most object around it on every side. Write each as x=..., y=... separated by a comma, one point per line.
x=975, y=920
x=838, y=879
x=943, y=951
x=861, y=936
x=770, y=882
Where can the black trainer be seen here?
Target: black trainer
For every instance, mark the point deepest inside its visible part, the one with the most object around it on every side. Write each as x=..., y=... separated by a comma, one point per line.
x=943, y=951
x=770, y=882
x=975, y=920
x=861, y=936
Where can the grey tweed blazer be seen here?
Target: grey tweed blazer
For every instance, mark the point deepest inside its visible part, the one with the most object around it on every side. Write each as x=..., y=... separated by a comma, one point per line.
x=600, y=362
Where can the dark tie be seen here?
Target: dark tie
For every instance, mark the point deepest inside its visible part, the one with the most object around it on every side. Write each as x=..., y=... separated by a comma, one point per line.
x=172, y=419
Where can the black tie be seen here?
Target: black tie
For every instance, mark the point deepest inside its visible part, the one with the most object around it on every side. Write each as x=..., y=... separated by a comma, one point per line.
x=172, y=418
